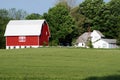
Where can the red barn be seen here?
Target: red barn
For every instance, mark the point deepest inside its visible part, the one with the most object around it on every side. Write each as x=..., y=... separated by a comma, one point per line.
x=27, y=33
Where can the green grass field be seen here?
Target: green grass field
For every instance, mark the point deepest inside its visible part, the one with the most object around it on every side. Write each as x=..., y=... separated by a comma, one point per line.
x=60, y=64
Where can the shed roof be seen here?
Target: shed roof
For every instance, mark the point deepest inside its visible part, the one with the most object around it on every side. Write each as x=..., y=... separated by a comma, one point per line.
x=24, y=27
x=83, y=38
x=99, y=33
x=110, y=40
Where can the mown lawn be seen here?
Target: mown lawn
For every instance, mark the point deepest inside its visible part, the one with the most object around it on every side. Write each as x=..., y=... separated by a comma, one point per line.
x=60, y=64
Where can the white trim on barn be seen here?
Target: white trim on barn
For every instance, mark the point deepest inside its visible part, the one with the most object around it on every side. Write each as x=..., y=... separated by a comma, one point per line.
x=21, y=47
x=17, y=47
x=35, y=46
x=7, y=47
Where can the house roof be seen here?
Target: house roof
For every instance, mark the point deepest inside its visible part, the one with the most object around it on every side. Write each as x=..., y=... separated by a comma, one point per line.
x=99, y=33
x=24, y=27
x=110, y=40
x=84, y=37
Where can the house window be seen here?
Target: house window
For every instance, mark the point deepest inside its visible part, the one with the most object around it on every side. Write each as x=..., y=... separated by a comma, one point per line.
x=22, y=39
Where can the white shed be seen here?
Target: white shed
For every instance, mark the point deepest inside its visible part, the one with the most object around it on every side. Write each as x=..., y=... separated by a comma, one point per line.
x=105, y=43
x=83, y=39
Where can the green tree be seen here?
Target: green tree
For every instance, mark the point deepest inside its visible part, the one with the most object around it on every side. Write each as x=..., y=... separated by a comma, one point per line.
x=34, y=16
x=79, y=21
x=118, y=31
x=114, y=6
x=118, y=39
x=101, y=16
x=13, y=13
x=3, y=22
x=69, y=3
x=61, y=24
x=89, y=43
x=5, y=16
x=3, y=13
x=90, y=9
x=108, y=19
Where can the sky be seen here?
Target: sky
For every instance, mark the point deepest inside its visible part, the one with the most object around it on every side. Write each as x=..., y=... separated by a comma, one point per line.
x=31, y=6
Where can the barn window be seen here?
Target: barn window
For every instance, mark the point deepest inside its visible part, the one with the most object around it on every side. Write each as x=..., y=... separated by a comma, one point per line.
x=22, y=39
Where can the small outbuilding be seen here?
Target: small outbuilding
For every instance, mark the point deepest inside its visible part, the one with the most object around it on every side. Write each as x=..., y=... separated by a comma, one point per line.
x=27, y=33
x=105, y=43
x=83, y=39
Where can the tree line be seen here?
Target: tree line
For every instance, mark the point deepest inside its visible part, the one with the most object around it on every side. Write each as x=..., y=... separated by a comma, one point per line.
x=68, y=21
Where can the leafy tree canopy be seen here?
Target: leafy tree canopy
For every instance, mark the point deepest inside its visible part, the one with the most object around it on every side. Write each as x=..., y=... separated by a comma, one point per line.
x=61, y=23
x=34, y=16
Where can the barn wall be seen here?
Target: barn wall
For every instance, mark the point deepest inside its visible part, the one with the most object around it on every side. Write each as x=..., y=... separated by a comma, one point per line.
x=44, y=37
x=14, y=41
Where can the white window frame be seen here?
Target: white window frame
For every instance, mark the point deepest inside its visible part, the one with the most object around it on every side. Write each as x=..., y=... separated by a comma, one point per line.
x=22, y=39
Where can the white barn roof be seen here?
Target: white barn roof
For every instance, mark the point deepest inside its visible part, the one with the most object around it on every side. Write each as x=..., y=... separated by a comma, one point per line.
x=24, y=27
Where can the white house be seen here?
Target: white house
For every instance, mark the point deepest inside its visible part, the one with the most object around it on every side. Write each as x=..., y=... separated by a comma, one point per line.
x=98, y=40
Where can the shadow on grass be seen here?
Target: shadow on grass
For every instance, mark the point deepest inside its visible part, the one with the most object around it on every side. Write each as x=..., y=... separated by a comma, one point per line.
x=111, y=77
